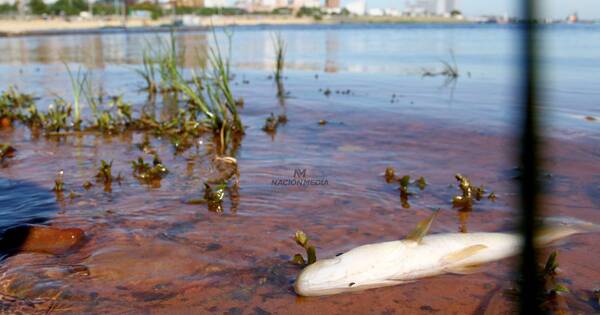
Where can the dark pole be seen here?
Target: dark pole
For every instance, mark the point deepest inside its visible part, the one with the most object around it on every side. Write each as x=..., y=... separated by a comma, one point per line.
x=530, y=286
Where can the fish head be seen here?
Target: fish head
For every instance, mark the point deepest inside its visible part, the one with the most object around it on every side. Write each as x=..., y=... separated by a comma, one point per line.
x=326, y=276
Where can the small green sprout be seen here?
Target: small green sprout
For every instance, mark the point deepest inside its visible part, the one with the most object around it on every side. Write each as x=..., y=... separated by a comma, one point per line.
x=421, y=183
x=272, y=122
x=311, y=253
x=6, y=151
x=470, y=193
x=59, y=184
x=390, y=174
x=151, y=174
x=404, y=182
x=105, y=172
x=87, y=185
x=214, y=197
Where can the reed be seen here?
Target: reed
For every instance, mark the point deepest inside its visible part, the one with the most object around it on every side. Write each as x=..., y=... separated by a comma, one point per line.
x=78, y=84
x=279, y=47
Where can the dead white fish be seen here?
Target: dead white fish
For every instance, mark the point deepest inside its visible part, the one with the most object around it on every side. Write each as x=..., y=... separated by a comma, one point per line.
x=419, y=256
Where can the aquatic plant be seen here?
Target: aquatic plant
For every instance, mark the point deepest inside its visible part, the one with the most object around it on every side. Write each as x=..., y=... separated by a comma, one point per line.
x=57, y=117
x=78, y=84
x=213, y=196
x=469, y=193
x=11, y=102
x=59, y=183
x=311, y=253
x=272, y=122
x=390, y=174
x=279, y=47
x=149, y=173
x=87, y=185
x=449, y=69
x=552, y=289
x=148, y=71
x=404, y=184
x=115, y=118
x=6, y=151
x=104, y=173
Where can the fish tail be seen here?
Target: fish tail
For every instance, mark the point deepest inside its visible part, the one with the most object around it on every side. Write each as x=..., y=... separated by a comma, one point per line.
x=555, y=228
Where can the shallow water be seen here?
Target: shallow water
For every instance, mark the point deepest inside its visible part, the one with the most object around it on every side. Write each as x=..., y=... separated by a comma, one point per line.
x=148, y=251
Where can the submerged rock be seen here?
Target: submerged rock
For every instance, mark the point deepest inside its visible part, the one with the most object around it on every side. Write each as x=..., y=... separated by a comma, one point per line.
x=40, y=239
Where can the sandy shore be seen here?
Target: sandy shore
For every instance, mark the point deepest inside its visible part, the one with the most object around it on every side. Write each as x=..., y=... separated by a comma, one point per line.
x=38, y=26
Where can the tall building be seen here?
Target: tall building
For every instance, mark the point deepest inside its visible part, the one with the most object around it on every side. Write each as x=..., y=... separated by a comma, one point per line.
x=431, y=7
x=332, y=4
x=445, y=7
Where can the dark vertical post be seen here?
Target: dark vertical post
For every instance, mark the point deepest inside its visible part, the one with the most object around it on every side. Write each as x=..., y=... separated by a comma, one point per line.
x=530, y=286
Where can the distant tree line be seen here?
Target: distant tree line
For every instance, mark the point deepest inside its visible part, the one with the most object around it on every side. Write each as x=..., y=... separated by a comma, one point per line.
x=107, y=7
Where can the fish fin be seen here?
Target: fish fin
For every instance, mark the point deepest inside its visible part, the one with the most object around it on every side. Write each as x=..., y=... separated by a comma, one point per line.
x=555, y=228
x=462, y=254
x=422, y=228
x=465, y=270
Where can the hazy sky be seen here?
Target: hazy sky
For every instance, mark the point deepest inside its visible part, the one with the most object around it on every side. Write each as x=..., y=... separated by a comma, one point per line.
x=551, y=8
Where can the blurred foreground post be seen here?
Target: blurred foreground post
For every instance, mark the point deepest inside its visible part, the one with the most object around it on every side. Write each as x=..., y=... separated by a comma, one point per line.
x=530, y=285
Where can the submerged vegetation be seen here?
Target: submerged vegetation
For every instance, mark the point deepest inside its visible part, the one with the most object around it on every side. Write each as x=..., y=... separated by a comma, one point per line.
x=470, y=193
x=279, y=47
x=404, y=183
x=147, y=173
x=6, y=151
x=550, y=298
x=311, y=253
x=449, y=70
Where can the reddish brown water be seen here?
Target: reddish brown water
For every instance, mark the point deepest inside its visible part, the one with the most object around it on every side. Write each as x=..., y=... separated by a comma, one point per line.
x=146, y=251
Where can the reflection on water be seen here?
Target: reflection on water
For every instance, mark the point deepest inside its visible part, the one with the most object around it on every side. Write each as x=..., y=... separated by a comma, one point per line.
x=24, y=202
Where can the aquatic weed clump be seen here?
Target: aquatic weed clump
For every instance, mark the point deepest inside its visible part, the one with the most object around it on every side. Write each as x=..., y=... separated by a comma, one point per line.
x=470, y=193
x=311, y=253
x=404, y=183
x=272, y=123
x=551, y=297
x=149, y=173
x=11, y=103
x=6, y=151
x=117, y=116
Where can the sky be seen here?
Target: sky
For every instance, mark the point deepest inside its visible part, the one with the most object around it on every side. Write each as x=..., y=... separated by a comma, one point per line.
x=587, y=9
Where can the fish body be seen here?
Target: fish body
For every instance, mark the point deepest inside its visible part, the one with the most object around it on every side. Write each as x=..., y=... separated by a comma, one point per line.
x=396, y=262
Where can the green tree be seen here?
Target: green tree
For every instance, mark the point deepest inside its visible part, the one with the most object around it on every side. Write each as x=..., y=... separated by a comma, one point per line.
x=38, y=7
x=68, y=7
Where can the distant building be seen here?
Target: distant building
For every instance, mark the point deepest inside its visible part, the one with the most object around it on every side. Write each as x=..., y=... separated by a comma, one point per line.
x=573, y=18
x=215, y=3
x=296, y=4
x=430, y=7
x=445, y=7
x=357, y=7
x=332, y=4
x=190, y=3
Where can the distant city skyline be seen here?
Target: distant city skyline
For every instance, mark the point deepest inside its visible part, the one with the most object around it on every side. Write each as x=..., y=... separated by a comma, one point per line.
x=557, y=9
x=587, y=9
